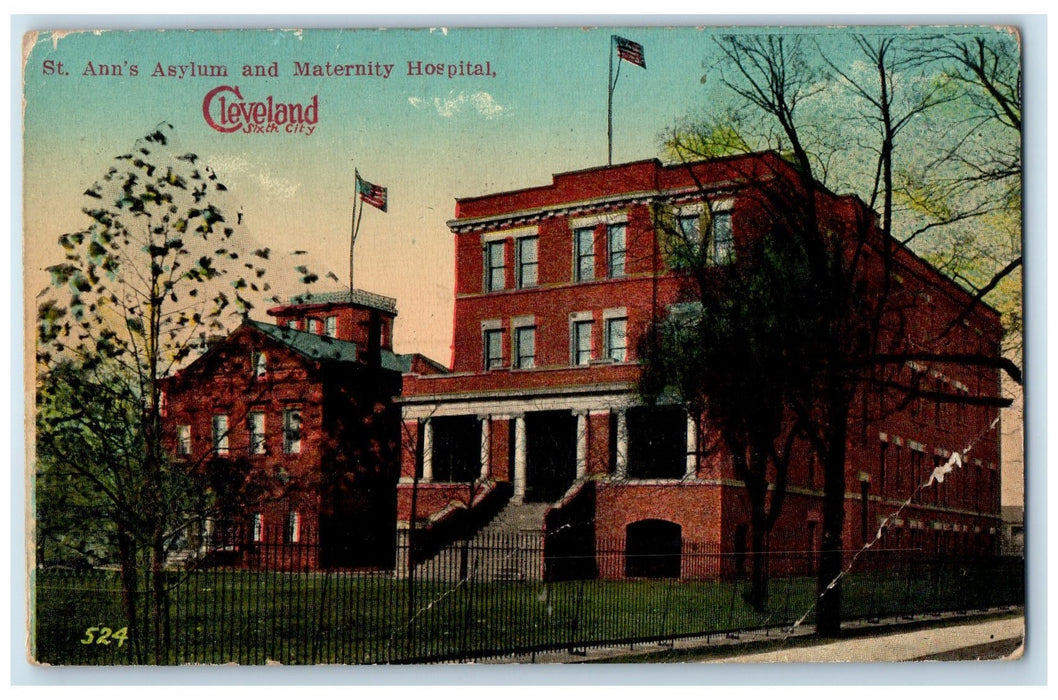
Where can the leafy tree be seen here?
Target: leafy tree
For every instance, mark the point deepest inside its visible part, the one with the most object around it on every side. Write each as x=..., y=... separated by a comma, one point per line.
x=157, y=269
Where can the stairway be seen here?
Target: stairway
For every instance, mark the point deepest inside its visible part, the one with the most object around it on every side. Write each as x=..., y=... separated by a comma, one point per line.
x=178, y=558
x=508, y=548
x=517, y=519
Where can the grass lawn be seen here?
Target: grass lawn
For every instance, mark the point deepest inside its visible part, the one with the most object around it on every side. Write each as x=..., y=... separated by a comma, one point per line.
x=297, y=618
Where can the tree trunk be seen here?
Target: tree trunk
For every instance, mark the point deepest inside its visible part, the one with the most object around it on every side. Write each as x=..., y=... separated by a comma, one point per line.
x=129, y=597
x=160, y=602
x=757, y=486
x=758, y=594
x=828, y=586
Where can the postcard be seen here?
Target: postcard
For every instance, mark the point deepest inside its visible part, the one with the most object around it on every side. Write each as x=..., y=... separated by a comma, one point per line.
x=518, y=345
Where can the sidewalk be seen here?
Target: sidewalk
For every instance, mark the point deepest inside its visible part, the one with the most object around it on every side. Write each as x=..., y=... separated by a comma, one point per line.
x=945, y=637
x=987, y=639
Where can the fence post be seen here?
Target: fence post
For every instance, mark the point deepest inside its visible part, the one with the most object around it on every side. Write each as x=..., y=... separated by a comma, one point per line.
x=667, y=606
x=575, y=622
x=318, y=632
x=873, y=614
x=731, y=603
x=906, y=607
x=786, y=601
x=468, y=614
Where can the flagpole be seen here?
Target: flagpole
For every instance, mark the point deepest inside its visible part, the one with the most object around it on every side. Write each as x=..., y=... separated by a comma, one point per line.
x=354, y=224
x=609, y=107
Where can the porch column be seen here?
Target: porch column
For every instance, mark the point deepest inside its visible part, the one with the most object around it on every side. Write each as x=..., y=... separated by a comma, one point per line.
x=427, y=450
x=621, y=465
x=692, y=447
x=519, y=458
x=486, y=443
x=582, y=444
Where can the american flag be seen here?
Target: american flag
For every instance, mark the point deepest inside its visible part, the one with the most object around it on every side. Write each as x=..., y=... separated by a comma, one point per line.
x=374, y=195
x=630, y=51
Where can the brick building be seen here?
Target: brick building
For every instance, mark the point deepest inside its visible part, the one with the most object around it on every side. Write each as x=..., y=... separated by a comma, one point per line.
x=539, y=418
x=293, y=425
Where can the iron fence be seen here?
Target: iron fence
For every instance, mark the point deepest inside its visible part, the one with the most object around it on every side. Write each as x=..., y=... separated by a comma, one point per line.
x=485, y=597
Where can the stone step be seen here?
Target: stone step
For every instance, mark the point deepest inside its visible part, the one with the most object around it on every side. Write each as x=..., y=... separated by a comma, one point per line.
x=508, y=548
x=516, y=518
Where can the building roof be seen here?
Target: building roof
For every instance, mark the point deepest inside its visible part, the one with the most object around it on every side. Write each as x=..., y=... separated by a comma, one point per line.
x=311, y=345
x=326, y=349
x=359, y=297
x=610, y=186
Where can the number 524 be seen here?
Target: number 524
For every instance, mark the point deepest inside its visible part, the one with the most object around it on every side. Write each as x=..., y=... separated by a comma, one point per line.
x=106, y=636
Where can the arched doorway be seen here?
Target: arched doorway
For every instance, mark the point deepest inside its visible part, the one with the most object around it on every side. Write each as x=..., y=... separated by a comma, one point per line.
x=652, y=549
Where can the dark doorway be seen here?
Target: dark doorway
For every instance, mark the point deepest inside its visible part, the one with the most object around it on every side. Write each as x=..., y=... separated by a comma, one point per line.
x=456, y=449
x=652, y=549
x=551, y=454
x=657, y=442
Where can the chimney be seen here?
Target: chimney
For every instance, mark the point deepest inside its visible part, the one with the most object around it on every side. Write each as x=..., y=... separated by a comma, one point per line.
x=374, y=339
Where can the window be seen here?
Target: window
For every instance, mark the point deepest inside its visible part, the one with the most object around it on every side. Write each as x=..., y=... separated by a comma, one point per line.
x=292, y=431
x=183, y=439
x=935, y=492
x=456, y=449
x=938, y=408
x=723, y=238
x=493, y=348
x=258, y=527
x=657, y=442
x=616, y=340
x=292, y=324
x=331, y=326
x=582, y=345
x=260, y=365
x=720, y=242
x=615, y=246
x=257, y=433
x=293, y=527
x=220, y=434
x=315, y=326
x=960, y=407
x=690, y=228
x=865, y=495
x=495, y=266
x=527, y=261
x=525, y=347
x=584, y=254
x=916, y=469
x=883, y=448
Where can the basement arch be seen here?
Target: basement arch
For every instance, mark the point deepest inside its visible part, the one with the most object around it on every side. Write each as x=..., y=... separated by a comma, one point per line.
x=653, y=548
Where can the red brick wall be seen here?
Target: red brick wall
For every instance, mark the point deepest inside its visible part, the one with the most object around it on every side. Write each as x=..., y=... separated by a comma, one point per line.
x=430, y=498
x=349, y=438
x=409, y=453
x=500, y=439
x=599, y=443
x=696, y=508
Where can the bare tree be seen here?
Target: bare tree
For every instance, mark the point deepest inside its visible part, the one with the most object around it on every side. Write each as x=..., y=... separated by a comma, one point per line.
x=771, y=79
